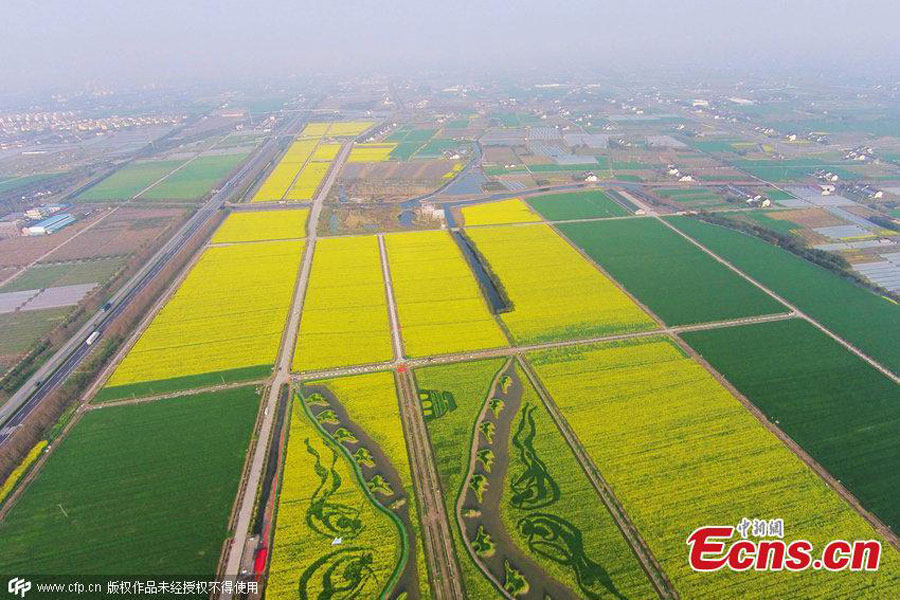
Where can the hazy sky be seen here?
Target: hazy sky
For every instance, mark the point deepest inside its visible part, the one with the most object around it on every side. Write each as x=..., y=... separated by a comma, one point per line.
x=47, y=43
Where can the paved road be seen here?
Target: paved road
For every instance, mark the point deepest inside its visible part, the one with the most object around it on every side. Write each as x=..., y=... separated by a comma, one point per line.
x=247, y=503
x=73, y=353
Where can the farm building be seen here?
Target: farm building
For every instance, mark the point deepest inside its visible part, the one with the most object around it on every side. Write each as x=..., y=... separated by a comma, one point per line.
x=48, y=226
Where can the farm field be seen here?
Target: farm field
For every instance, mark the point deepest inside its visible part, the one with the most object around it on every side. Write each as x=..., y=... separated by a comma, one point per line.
x=451, y=437
x=128, y=181
x=794, y=169
x=118, y=235
x=307, y=182
x=280, y=179
x=680, y=283
x=315, y=130
x=854, y=313
x=326, y=152
x=545, y=486
x=440, y=305
x=371, y=405
x=11, y=183
x=196, y=178
x=499, y=213
x=117, y=463
x=20, y=330
x=224, y=323
x=405, y=150
x=262, y=225
x=319, y=482
x=577, y=205
x=348, y=128
x=645, y=411
x=43, y=276
x=692, y=197
x=370, y=152
x=345, y=315
x=556, y=293
x=21, y=469
x=843, y=412
x=781, y=225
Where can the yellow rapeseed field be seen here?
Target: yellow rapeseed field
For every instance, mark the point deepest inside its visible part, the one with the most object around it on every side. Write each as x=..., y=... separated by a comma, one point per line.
x=370, y=152
x=348, y=128
x=315, y=130
x=308, y=181
x=17, y=473
x=441, y=308
x=326, y=152
x=279, y=180
x=371, y=402
x=321, y=499
x=679, y=451
x=345, y=316
x=262, y=225
x=335, y=129
x=229, y=313
x=556, y=293
x=456, y=168
x=499, y=213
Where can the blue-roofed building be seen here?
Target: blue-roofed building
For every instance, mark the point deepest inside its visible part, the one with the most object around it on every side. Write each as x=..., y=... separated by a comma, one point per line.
x=49, y=225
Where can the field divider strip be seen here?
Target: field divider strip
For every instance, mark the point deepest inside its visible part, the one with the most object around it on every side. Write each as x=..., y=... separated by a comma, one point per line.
x=513, y=350
x=176, y=394
x=435, y=524
x=396, y=337
x=651, y=566
x=859, y=353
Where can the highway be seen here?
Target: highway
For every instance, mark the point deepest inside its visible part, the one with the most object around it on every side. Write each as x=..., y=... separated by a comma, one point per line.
x=73, y=353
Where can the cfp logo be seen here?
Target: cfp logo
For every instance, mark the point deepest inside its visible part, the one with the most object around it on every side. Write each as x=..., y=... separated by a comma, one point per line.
x=18, y=586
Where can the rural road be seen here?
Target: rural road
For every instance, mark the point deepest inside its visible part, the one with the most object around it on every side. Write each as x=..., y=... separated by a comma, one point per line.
x=514, y=350
x=235, y=555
